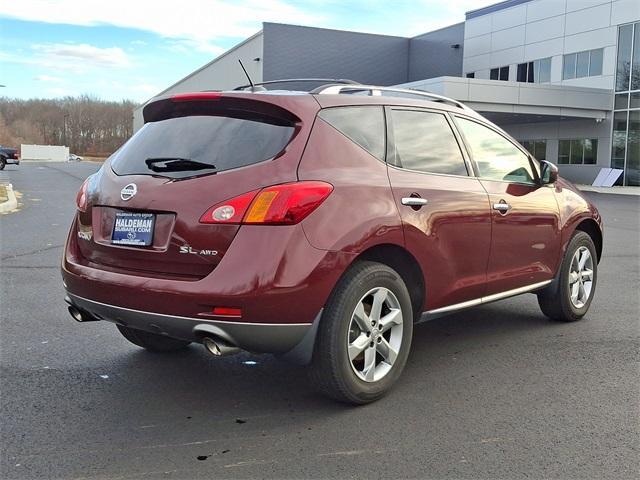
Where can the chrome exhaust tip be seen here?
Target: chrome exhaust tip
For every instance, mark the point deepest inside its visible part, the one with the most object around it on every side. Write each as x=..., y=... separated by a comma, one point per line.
x=75, y=313
x=218, y=348
x=80, y=316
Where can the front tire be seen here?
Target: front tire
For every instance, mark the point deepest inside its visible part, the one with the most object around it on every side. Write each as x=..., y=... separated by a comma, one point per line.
x=152, y=341
x=365, y=335
x=570, y=295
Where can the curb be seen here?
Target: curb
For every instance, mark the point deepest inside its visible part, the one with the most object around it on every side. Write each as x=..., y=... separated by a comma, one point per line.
x=11, y=203
x=629, y=191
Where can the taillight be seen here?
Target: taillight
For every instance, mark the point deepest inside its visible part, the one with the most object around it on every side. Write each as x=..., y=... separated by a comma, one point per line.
x=230, y=211
x=285, y=204
x=81, y=197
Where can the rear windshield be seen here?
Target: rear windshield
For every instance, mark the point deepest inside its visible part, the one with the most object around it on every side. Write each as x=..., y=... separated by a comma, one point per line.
x=198, y=145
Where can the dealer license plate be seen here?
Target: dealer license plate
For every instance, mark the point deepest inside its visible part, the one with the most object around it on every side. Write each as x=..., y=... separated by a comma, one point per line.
x=133, y=229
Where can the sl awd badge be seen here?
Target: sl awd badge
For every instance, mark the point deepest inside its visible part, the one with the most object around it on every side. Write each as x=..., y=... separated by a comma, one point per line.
x=188, y=249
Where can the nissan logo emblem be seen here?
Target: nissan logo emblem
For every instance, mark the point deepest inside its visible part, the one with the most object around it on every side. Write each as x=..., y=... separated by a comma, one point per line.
x=128, y=191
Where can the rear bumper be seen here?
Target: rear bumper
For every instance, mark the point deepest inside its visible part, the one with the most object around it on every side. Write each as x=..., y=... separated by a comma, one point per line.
x=12, y=161
x=255, y=337
x=278, y=280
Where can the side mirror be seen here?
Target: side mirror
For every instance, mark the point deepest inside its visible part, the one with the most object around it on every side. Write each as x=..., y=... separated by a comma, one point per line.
x=548, y=172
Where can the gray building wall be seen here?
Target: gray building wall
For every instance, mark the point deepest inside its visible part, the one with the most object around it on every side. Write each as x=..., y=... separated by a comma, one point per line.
x=432, y=55
x=293, y=52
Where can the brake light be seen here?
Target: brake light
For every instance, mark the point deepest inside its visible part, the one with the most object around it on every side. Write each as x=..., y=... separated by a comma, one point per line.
x=81, y=197
x=285, y=204
x=196, y=97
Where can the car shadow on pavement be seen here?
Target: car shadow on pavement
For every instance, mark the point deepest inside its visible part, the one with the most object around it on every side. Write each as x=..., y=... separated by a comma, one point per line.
x=202, y=382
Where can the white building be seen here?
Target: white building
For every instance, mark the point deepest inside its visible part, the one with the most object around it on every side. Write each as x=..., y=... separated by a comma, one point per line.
x=562, y=76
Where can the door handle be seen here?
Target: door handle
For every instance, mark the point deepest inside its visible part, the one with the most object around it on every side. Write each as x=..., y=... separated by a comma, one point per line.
x=414, y=201
x=502, y=206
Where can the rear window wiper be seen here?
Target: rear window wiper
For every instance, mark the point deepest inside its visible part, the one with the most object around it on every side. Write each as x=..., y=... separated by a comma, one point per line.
x=176, y=164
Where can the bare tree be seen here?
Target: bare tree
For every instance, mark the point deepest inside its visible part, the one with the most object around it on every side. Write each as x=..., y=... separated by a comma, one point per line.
x=88, y=125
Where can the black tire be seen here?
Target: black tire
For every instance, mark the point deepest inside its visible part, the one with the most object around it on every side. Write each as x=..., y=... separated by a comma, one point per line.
x=555, y=301
x=3, y=163
x=152, y=341
x=331, y=369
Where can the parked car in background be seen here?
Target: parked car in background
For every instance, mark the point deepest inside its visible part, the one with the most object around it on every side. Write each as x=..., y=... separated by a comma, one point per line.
x=321, y=227
x=75, y=158
x=8, y=155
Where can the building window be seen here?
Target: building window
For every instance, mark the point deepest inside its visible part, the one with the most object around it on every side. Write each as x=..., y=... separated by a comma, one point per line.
x=582, y=64
x=625, y=137
x=471, y=75
x=537, y=148
x=582, y=151
x=538, y=71
x=501, y=73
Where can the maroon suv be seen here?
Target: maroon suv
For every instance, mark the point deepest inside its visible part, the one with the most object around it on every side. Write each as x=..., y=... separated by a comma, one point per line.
x=321, y=226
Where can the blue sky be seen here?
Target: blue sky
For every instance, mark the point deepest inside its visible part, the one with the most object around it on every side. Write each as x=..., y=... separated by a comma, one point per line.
x=135, y=48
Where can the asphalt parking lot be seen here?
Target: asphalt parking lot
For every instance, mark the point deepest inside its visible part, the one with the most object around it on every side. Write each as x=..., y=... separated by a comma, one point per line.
x=493, y=392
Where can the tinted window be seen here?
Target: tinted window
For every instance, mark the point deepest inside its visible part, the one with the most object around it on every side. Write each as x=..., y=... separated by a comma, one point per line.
x=569, y=67
x=595, y=63
x=424, y=141
x=544, y=70
x=496, y=157
x=363, y=125
x=623, y=72
x=580, y=151
x=197, y=145
x=501, y=73
x=522, y=72
x=582, y=65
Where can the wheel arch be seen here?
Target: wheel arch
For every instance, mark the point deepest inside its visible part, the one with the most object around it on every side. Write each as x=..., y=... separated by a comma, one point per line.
x=399, y=259
x=591, y=228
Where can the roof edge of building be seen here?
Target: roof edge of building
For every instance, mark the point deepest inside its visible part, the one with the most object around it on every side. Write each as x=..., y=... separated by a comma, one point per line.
x=478, y=12
x=336, y=30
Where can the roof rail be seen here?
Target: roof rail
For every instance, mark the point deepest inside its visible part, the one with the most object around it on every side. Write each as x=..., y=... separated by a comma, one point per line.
x=291, y=80
x=378, y=91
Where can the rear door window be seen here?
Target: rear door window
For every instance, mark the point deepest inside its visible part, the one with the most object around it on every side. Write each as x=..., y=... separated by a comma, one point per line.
x=197, y=145
x=362, y=125
x=423, y=141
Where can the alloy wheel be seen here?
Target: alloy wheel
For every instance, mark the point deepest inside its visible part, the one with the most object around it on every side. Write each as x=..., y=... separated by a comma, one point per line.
x=581, y=277
x=375, y=334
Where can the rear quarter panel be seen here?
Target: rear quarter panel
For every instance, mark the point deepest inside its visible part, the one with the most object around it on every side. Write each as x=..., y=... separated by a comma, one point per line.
x=361, y=211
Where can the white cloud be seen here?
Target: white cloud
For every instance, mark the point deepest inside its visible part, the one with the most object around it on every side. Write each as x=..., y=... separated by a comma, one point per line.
x=48, y=79
x=64, y=52
x=201, y=20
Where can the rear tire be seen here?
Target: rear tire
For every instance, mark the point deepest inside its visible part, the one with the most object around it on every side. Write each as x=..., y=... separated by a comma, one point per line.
x=569, y=297
x=3, y=162
x=152, y=341
x=365, y=335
